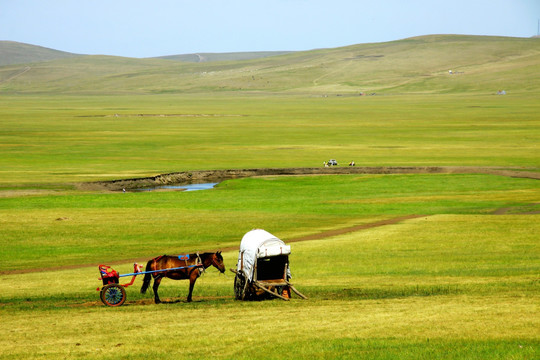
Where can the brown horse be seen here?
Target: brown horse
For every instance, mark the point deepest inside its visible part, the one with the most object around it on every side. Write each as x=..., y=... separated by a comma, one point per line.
x=193, y=265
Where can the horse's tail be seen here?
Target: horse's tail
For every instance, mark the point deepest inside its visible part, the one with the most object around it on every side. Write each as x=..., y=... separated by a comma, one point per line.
x=147, y=277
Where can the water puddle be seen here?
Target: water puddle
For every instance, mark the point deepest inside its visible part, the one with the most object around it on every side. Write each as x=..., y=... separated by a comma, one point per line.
x=184, y=187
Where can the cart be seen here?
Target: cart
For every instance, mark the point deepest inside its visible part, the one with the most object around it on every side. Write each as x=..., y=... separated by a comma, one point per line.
x=113, y=293
x=262, y=270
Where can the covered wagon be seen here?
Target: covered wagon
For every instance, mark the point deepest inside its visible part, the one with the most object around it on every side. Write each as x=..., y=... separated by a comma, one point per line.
x=262, y=269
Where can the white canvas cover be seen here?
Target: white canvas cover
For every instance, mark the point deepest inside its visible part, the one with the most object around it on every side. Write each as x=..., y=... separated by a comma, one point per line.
x=255, y=244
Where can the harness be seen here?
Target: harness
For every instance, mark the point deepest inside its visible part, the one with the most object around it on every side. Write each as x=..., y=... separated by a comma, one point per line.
x=185, y=257
x=201, y=265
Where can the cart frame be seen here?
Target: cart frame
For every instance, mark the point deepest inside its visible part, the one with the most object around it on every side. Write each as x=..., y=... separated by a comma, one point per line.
x=263, y=269
x=113, y=293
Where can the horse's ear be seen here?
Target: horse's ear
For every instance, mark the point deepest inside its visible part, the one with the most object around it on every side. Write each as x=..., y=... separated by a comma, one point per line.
x=219, y=252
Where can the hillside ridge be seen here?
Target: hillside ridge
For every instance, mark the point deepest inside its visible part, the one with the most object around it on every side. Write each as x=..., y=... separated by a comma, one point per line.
x=427, y=64
x=12, y=52
x=226, y=56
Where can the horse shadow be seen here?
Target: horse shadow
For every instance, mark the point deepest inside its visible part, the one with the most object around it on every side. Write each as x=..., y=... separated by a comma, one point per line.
x=180, y=301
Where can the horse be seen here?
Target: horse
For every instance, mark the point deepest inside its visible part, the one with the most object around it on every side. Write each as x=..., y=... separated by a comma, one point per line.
x=193, y=265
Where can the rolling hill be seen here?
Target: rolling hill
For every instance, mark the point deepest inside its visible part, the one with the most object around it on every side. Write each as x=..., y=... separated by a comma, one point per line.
x=12, y=52
x=478, y=64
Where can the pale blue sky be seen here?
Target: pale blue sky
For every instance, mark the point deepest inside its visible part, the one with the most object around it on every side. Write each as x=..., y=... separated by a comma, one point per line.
x=146, y=28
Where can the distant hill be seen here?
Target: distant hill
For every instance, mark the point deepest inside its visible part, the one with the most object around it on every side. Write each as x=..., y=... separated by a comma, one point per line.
x=419, y=65
x=232, y=56
x=12, y=52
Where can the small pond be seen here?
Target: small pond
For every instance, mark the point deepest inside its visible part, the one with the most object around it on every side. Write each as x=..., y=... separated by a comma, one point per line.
x=185, y=187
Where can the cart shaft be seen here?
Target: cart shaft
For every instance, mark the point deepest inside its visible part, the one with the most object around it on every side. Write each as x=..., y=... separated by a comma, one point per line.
x=163, y=270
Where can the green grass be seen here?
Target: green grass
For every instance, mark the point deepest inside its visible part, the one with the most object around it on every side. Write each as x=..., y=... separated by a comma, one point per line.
x=56, y=140
x=456, y=283
x=87, y=228
x=380, y=293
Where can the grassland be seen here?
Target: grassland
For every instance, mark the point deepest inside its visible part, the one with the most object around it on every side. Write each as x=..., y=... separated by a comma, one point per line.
x=64, y=230
x=458, y=281
x=66, y=139
x=403, y=291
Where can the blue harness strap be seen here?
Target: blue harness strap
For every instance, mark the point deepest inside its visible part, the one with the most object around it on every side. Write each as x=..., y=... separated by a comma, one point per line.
x=183, y=257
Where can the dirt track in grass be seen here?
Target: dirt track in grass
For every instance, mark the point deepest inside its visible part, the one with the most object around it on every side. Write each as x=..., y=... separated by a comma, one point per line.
x=317, y=236
x=219, y=175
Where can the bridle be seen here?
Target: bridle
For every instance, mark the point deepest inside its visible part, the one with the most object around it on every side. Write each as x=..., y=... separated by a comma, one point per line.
x=215, y=263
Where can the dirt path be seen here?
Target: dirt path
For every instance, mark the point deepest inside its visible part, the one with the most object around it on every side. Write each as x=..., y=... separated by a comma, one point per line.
x=318, y=236
x=25, y=70
x=330, y=233
x=517, y=210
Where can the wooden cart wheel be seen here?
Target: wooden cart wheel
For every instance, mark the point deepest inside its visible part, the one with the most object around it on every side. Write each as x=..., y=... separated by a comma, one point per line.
x=239, y=287
x=113, y=295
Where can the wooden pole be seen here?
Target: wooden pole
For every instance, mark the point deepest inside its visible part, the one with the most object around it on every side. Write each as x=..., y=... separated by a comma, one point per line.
x=270, y=292
x=296, y=291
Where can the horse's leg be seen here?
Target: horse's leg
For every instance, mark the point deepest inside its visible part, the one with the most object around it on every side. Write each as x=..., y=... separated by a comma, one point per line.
x=157, y=281
x=192, y=278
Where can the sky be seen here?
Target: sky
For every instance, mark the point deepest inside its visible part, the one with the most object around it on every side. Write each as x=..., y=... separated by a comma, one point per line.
x=148, y=28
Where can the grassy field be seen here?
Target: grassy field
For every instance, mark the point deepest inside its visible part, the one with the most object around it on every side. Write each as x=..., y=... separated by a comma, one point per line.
x=58, y=140
x=456, y=283
x=459, y=280
x=48, y=231
x=403, y=291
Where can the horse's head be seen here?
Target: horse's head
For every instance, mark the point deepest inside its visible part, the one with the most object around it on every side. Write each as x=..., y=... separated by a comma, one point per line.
x=217, y=261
